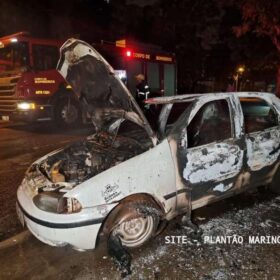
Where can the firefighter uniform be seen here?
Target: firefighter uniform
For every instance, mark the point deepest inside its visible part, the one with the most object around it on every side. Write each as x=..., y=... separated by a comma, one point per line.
x=143, y=92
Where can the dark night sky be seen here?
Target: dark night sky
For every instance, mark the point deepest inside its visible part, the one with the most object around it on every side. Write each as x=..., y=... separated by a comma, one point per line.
x=141, y=3
x=199, y=32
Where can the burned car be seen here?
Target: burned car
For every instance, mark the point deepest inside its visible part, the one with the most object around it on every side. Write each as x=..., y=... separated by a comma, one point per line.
x=207, y=147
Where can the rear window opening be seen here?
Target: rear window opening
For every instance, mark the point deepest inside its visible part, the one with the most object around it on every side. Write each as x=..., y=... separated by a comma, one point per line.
x=258, y=114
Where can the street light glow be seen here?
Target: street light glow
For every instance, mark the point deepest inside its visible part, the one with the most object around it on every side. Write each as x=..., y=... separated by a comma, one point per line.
x=240, y=69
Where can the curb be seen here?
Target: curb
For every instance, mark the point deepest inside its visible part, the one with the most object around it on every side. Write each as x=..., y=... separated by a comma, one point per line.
x=15, y=240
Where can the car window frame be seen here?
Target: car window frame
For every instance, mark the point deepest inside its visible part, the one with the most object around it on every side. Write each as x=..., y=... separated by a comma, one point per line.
x=268, y=102
x=188, y=115
x=164, y=116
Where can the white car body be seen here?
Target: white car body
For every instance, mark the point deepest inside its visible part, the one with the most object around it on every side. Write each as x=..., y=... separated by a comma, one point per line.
x=81, y=229
x=159, y=172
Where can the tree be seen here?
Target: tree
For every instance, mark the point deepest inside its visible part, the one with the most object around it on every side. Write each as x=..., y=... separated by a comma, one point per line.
x=191, y=29
x=261, y=17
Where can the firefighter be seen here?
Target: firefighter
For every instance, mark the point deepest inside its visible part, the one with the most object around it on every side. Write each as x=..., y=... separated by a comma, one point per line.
x=143, y=92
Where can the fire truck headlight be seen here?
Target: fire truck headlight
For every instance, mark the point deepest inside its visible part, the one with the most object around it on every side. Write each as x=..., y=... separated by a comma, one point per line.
x=26, y=106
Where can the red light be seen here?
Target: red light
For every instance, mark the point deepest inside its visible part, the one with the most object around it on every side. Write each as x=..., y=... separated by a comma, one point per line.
x=128, y=53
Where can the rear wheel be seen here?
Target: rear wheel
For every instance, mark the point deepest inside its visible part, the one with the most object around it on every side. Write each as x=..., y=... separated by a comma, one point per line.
x=67, y=112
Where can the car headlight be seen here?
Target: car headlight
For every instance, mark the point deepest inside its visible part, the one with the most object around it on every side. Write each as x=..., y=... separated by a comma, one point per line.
x=26, y=106
x=55, y=202
x=69, y=205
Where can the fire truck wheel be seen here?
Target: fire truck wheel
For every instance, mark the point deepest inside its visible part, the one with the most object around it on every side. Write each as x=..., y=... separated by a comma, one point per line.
x=67, y=113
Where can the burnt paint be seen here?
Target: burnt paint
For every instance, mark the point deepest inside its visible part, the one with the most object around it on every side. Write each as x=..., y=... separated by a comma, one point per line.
x=179, y=133
x=103, y=96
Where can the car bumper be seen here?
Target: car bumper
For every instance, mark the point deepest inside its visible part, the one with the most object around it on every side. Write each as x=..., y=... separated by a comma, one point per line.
x=80, y=230
x=41, y=113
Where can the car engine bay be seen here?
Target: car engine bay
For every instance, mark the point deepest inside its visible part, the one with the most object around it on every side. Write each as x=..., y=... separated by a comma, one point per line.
x=85, y=159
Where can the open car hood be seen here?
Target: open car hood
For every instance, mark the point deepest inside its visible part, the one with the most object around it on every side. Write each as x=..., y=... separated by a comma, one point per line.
x=103, y=95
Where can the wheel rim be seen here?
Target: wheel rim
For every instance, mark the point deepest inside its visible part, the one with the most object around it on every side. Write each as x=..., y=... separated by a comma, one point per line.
x=135, y=232
x=69, y=113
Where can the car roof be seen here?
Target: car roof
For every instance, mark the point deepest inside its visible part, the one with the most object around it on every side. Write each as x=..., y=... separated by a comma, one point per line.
x=192, y=97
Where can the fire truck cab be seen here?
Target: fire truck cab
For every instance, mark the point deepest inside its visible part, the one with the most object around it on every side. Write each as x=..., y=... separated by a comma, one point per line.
x=31, y=89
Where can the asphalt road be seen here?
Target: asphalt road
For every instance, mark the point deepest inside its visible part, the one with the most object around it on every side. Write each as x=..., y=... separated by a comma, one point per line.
x=20, y=145
x=246, y=215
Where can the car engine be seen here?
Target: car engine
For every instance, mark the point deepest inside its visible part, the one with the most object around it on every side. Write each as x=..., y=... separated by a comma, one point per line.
x=83, y=160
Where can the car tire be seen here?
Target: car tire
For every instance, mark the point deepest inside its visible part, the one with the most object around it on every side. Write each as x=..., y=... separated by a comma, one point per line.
x=275, y=184
x=139, y=227
x=67, y=113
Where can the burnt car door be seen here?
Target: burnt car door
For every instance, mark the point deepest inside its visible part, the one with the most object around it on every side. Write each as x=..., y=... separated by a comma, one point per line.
x=210, y=153
x=262, y=134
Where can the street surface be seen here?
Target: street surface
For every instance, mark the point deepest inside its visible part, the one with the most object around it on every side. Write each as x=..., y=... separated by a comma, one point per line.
x=20, y=145
x=24, y=257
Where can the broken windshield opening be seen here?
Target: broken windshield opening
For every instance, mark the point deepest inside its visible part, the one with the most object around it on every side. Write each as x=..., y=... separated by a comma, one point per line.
x=14, y=56
x=169, y=115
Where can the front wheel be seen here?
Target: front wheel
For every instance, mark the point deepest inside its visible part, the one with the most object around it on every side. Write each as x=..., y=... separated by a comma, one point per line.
x=67, y=113
x=139, y=226
x=136, y=232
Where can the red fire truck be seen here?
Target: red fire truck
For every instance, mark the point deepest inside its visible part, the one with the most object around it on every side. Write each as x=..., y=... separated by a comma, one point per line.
x=32, y=90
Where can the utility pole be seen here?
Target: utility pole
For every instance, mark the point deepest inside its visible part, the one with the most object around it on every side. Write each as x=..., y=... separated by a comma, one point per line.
x=239, y=71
